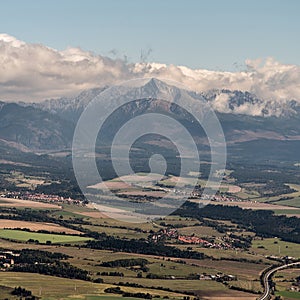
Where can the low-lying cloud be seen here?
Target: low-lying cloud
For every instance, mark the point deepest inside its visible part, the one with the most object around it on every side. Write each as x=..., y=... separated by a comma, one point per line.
x=33, y=72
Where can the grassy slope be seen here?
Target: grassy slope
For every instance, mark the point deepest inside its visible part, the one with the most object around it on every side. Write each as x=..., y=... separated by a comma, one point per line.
x=20, y=235
x=273, y=246
x=53, y=288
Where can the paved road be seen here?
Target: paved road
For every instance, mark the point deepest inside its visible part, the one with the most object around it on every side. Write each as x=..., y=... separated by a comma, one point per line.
x=266, y=294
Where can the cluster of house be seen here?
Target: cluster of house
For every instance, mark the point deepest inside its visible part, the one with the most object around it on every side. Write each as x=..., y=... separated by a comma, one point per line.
x=40, y=197
x=170, y=232
x=7, y=259
x=198, y=194
x=219, y=198
x=187, y=239
x=218, y=277
x=199, y=241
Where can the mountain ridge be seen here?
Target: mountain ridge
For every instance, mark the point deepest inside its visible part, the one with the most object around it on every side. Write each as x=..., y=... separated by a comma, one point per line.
x=50, y=124
x=221, y=100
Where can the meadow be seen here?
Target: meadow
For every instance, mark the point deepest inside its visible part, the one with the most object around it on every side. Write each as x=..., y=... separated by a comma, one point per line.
x=275, y=246
x=43, y=238
x=54, y=288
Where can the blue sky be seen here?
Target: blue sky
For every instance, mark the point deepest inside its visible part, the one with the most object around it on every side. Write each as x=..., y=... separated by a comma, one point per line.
x=217, y=35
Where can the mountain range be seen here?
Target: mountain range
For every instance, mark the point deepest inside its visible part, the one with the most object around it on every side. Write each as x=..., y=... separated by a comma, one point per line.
x=49, y=125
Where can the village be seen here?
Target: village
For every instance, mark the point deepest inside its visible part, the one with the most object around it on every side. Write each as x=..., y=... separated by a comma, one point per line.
x=172, y=233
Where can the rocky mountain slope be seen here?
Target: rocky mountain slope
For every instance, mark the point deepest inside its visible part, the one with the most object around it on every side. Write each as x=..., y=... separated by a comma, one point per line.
x=50, y=124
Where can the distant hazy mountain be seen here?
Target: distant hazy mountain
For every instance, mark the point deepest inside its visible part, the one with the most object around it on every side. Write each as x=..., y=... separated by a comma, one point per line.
x=243, y=118
x=28, y=127
x=69, y=108
x=223, y=101
x=50, y=124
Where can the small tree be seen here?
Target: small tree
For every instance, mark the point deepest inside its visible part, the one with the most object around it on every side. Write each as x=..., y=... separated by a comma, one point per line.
x=139, y=275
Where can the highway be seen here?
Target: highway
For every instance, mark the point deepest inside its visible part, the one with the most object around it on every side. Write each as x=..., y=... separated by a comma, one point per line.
x=266, y=294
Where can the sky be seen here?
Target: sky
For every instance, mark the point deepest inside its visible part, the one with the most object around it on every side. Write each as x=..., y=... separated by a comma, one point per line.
x=214, y=35
x=53, y=49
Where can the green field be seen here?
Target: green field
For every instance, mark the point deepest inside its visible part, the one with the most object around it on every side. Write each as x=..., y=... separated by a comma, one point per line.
x=54, y=288
x=289, y=295
x=286, y=212
x=295, y=202
x=176, y=220
x=67, y=215
x=176, y=269
x=187, y=285
x=249, y=285
x=274, y=246
x=199, y=231
x=247, y=194
x=20, y=235
x=283, y=280
x=229, y=254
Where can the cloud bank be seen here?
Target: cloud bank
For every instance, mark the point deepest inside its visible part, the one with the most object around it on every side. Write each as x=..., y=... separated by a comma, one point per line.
x=33, y=72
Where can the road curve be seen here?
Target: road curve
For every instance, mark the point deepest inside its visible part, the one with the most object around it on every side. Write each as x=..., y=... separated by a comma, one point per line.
x=266, y=293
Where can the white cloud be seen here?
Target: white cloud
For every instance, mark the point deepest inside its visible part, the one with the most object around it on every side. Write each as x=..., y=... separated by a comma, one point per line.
x=268, y=79
x=32, y=72
x=220, y=103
